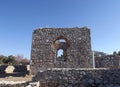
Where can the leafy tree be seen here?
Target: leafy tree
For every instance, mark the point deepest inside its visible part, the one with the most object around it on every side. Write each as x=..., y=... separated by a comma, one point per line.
x=9, y=60
x=19, y=59
x=2, y=59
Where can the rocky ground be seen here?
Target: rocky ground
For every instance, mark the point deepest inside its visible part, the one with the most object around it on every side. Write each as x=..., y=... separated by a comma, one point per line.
x=15, y=81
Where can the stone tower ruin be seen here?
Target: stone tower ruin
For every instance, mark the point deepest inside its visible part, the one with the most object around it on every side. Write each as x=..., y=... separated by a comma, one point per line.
x=60, y=48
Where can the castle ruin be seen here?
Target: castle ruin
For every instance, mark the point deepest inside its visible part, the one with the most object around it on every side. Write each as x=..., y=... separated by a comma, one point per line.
x=62, y=57
x=61, y=48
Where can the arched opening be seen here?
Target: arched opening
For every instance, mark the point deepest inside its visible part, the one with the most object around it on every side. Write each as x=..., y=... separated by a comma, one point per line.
x=60, y=46
x=60, y=53
x=61, y=40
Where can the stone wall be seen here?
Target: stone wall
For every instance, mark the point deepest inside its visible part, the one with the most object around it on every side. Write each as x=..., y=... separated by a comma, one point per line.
x=74, y=42
x=70, y=77
x=73, y=67
x=19, y=70
x=107, y=61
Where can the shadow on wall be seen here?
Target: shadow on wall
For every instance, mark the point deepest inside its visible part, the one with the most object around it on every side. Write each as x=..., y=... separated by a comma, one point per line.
x=14, y=70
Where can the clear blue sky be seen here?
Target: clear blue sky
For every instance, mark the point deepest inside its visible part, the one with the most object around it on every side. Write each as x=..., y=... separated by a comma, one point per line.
x=18, y=19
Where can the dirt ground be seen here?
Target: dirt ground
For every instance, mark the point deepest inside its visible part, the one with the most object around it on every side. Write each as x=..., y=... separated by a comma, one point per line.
x=10, y=78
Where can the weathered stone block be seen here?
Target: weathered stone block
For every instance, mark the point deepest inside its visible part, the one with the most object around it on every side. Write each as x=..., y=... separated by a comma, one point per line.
x=9, y=69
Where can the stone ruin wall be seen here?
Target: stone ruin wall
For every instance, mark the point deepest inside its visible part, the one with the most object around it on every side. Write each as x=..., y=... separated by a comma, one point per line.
x=77, y=48
x=19, y=70
x=77, y=71
x=107, y=61
x=79, y=77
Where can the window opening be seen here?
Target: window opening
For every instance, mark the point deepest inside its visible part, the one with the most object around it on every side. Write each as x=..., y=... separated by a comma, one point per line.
x=60, y=46
x=60, y=53
x=61, y=40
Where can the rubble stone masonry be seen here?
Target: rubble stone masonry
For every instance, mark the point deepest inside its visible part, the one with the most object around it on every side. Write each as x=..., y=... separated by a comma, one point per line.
x=80, y=77
x=62, y=57
x=74, y=43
